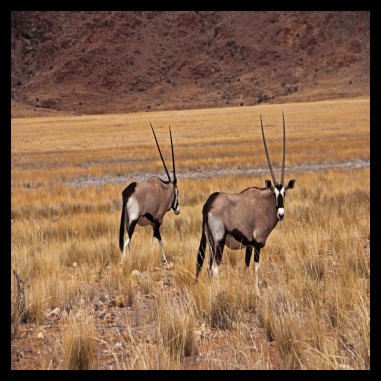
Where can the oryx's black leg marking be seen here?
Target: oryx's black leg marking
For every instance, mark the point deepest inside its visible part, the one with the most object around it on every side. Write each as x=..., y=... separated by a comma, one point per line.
x=156, y=234
x=249, y=252
x=257, y=250
x=156, y=231
x=219, y=250
x=131, y=228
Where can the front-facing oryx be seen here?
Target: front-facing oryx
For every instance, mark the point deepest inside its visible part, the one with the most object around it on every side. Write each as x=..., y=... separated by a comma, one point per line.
x=243, y=220
x=147, y=202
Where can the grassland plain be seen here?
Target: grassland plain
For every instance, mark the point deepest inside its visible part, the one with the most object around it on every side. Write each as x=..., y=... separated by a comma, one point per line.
x=73, y=306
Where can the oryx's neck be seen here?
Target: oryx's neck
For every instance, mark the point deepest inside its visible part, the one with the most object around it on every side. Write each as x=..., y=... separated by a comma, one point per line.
x=263, y=195
x=263, y=202
x=168, y=193
x=269, y=201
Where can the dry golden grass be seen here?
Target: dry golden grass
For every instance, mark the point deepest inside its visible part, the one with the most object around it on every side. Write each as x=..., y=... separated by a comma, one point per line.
x=79, y=342
x=314, y=269
x=56, y=150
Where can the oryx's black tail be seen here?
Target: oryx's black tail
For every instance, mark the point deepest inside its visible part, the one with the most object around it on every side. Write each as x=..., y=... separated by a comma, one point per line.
x=125, y=195
x=122, y=224
x=201, y=249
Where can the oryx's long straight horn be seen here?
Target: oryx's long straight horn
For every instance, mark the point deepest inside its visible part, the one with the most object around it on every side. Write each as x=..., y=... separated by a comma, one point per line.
x=284, y=151
x=267, y=153
x=173, y=158
x=162, y=159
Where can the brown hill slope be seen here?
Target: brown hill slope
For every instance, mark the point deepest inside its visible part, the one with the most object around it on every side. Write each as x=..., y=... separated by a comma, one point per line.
x=113, y=62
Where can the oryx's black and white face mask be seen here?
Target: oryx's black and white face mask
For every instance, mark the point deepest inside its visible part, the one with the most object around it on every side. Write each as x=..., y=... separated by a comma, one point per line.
x=175, y=204
x=279, y=192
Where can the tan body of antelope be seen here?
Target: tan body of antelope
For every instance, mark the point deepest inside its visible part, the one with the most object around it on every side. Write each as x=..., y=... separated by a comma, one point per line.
x=243, y=220
x=146, y=203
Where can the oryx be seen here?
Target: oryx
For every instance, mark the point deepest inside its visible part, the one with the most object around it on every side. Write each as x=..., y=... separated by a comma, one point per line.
x=243, y=220
x=147, y=202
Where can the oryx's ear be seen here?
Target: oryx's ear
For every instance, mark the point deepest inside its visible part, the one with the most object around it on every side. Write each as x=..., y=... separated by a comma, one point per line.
x=291, y=184
x=268, y=184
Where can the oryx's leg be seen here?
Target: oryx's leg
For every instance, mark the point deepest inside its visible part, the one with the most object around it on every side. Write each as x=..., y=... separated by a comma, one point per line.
x=127, y=242
x=257, y=249
x=218, y=249
x=156, y=235
x=216, y=242
x=249, y=252
x=211, y=256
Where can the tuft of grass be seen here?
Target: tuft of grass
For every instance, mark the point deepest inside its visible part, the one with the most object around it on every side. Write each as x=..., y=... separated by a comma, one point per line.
x=223, y=312
x=79, y=343
x=152, y=357
x=283, y=322
x=176, y=324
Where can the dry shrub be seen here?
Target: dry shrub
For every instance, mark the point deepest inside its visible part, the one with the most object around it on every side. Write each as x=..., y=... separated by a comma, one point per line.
x=20, y=314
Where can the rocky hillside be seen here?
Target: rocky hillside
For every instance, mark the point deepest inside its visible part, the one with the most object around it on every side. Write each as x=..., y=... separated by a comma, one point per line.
x=114, y=62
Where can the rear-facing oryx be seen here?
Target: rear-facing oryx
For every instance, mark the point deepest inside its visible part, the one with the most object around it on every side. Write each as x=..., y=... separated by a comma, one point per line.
x=147, y=202
x=242, y=220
